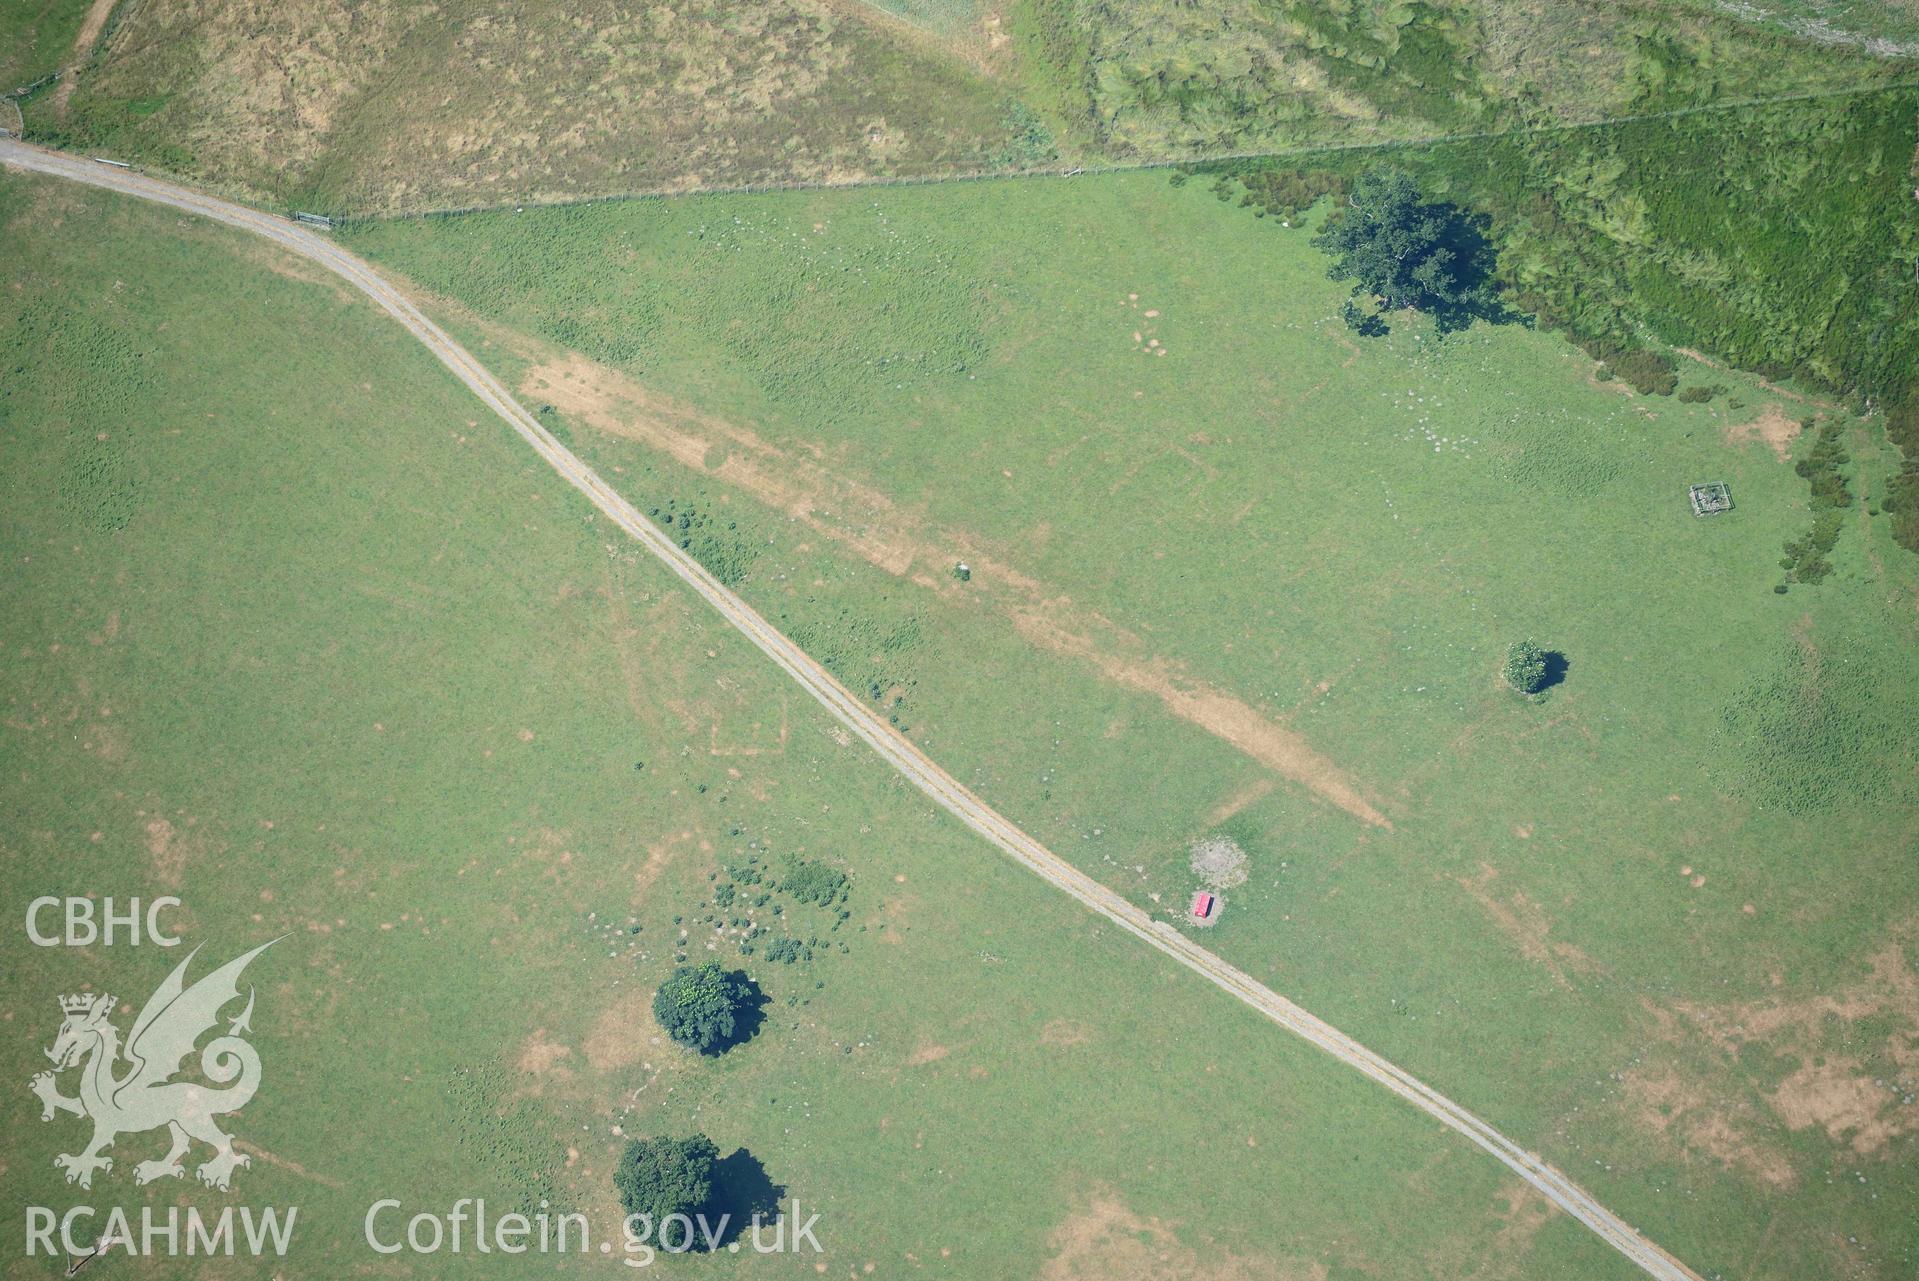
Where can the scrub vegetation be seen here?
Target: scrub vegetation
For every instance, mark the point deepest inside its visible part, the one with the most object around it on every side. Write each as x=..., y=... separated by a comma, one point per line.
x=1166, y=77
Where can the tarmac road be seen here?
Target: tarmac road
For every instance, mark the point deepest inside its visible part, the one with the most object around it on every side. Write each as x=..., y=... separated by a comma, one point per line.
x=893, y=747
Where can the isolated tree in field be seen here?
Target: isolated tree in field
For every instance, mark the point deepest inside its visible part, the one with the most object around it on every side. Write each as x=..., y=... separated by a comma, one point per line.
x=707, y=1008
x=1407, y=252
x=1526, y=667
x=662, y=1177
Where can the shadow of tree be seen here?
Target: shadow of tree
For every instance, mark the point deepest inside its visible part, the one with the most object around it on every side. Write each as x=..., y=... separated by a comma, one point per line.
x=741, y=1189
x=748, y=1016
x=1557, y=665
x=1475, y=265
x=1367, y=324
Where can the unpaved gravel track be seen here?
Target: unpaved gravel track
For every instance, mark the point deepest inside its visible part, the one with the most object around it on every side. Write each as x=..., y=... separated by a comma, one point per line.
x=893, y=747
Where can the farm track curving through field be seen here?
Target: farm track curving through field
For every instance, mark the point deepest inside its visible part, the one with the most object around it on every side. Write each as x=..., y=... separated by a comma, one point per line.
x=894, y=748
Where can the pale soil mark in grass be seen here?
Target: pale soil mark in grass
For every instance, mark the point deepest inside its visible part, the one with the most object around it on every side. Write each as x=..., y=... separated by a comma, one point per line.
x=1773, y=426
x=613, y=403
x=1253, y=791
x=925, y=1053
x=636, y=670
x=280, y=1162
x=172, y=849
x=622, y=1031
x=540, y=1056
x=1520, y=1212
x=1222, y=715
x=1107, y=1241
x=1064, y=1033
x=1521, y=919
x=894, y=540
x=1660, y=1101
x=1876, y=1016
x=1526, y=1212
x=90, y=28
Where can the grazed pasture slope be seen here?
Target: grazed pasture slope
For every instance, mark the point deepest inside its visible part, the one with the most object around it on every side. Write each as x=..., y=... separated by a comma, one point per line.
x=296, y=634
x=406, y=104
x=1660, y=924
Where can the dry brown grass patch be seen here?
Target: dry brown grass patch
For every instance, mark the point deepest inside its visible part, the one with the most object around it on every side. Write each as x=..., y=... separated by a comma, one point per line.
x=1661, y=1101
x=1773, y=426
x=622, y=1032
x=1064, y=1033
x=1106, y=1241
x=1846, y=1083
x=393, y=106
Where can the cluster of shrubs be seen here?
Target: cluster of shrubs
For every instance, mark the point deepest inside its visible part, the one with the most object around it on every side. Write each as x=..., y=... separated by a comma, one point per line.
x=1029, y=142
x=788, y=950
x=721, y=547
x=872, y=646
x=808, y=881
x=1902, y=493
x=1283, y=193
x=1822, y=468
x=811, y=881
x=1648, y=372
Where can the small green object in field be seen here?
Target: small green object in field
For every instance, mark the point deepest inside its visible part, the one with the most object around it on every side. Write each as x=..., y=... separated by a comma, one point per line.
x=1526, y=667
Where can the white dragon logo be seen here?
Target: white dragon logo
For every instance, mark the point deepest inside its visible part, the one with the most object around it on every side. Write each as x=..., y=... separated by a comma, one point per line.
x=144, y=1097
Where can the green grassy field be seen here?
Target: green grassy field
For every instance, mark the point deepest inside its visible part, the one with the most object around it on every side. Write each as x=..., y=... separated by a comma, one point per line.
x=294, y=633
x=1657, y=925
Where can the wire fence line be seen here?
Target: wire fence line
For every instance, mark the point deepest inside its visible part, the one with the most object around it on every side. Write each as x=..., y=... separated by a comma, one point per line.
x=1196, y=160
x=1188, y=161
x=24, y=90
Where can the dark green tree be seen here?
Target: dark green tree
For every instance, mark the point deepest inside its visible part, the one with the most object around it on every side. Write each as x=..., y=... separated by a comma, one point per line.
x=1407, y=252
x=708, y=1008
x=661, y=1177
x=1526, y=667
